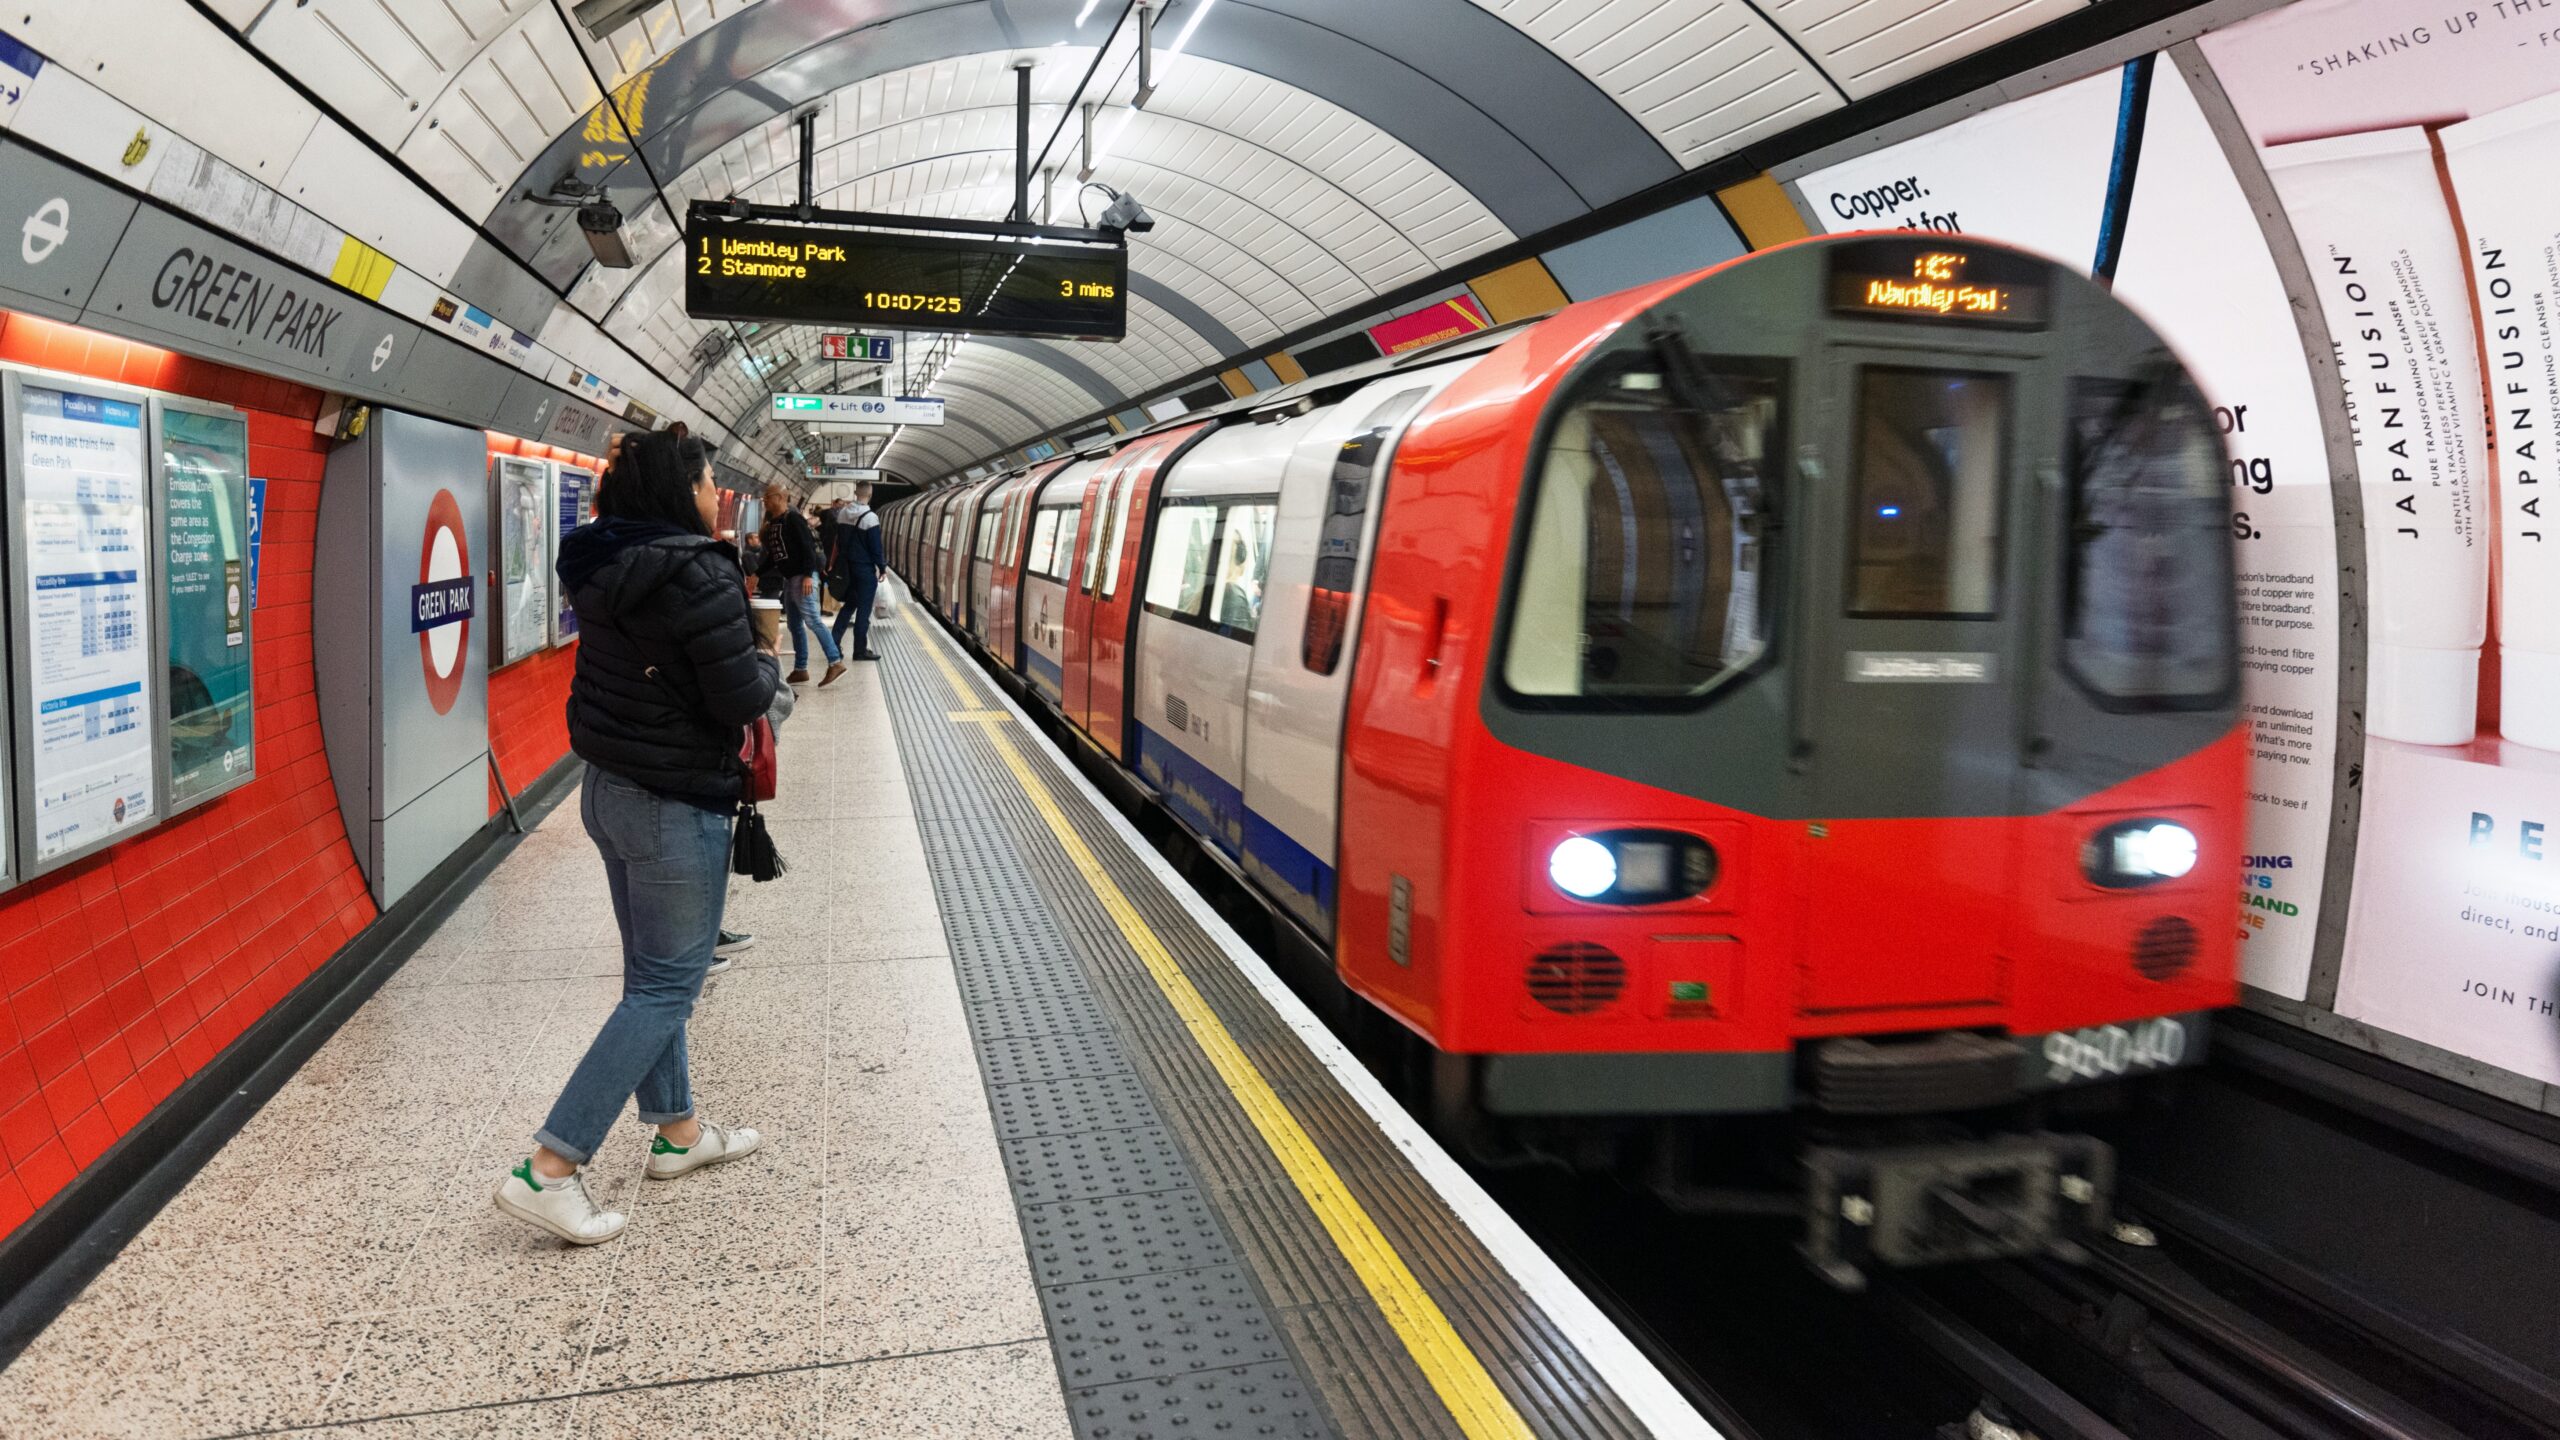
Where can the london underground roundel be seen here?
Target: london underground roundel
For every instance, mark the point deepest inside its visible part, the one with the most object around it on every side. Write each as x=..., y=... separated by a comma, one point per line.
x=440, y=603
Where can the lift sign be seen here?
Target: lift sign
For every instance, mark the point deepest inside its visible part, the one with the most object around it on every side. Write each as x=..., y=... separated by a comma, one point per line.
x=835, y=276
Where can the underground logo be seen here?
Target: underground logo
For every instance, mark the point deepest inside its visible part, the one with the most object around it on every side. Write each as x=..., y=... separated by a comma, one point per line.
x=440, y=603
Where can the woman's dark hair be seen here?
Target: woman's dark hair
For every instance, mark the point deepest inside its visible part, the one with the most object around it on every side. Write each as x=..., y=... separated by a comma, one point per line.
x=653, y=478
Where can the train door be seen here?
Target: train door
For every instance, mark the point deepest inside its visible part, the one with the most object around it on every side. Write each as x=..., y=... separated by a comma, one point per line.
x=1049, y=560
x=1115, y=601
x=1098, y=540
x=987, y=517
x=1320, y=552
x=1918, y=538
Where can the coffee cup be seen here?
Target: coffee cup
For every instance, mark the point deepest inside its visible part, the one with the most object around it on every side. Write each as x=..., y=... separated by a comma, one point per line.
x=768, y=617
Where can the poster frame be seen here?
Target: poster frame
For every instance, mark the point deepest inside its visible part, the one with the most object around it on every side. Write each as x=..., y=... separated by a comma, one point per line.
x=170, y=805
x=561, y=636
x=501, y=636
x=13, y=496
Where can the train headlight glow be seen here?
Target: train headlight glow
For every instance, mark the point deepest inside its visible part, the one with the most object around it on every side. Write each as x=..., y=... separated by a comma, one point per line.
x=1582, y=867
x=2139, y=852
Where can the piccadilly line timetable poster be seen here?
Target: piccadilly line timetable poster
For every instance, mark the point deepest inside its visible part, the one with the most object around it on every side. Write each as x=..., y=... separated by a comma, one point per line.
x=88, y=570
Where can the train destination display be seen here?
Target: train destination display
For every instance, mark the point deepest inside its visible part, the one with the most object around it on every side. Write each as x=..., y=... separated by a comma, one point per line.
x=1923, y=281
x=822, y=275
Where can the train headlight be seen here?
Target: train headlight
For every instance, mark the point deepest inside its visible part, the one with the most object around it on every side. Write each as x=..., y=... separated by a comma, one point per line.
x=1632, y=867
x=2133, y=853
x=1583, y=867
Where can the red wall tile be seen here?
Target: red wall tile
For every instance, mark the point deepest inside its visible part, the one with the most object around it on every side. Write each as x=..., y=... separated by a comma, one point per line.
x=126, y=973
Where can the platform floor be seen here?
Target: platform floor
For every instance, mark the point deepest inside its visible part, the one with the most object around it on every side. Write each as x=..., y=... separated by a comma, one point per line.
x=1045, y=1156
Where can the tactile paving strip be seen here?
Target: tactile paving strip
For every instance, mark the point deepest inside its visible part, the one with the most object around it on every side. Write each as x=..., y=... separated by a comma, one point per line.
x=1158, y=1331
x=1353, y=1371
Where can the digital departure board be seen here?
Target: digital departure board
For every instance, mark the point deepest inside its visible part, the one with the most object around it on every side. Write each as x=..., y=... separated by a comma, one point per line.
x=1928, y=280
x=830, y=275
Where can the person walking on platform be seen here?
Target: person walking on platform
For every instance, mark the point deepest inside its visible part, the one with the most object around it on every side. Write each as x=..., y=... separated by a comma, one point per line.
x=853, y=570
x=791, y=552
x=669, y=672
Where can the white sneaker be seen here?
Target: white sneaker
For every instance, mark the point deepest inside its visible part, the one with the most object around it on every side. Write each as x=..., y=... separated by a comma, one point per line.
x=718, y=1144
x=560, y=1206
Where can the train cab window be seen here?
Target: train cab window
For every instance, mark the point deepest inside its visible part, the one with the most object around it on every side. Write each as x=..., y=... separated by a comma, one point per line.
x=1178, y=573
x=1641, y=577
x=1244, y=561
x=2147, y=604
x=1338, y=537
x=1931, y=463
x=1044, y=542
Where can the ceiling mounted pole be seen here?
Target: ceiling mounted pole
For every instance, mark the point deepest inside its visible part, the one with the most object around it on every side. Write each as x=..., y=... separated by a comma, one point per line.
x=1085, y=169
x=808, y=162
x=1146, y=56
x=1048, y=192
x=1022, y=140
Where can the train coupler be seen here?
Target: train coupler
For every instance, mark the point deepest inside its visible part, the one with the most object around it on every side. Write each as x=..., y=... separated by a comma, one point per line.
x=1989, y=1199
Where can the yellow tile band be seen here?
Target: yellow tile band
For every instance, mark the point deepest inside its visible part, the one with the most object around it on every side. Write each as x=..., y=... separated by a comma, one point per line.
x=1482, y=1411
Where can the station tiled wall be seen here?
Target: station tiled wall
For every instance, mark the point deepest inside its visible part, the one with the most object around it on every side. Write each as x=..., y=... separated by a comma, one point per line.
x=128, y=972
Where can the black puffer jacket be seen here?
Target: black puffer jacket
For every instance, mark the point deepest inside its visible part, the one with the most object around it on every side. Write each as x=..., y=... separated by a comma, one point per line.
x=651, y=595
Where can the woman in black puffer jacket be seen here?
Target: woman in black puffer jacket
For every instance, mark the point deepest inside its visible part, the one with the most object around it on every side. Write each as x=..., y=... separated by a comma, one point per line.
x=668, y=675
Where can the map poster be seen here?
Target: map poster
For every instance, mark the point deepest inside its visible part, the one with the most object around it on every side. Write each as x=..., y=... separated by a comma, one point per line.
x=84, y=577
x=521, y=500
x=205, y=533
x=577, y=507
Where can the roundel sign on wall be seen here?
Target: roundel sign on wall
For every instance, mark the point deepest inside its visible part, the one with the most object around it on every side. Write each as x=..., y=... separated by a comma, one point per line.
x=440, y=603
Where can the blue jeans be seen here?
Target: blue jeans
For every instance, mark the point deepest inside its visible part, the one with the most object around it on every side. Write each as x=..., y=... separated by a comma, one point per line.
x=802, y=611
x=667, y=864
x=856, y=610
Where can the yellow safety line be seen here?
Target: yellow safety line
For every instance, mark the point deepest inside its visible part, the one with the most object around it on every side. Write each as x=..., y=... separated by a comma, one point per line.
x=1463, y=1384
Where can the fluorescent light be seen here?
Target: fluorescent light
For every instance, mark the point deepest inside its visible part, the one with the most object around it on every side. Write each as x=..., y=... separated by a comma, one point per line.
x=1086, y=13
x=1190, y=25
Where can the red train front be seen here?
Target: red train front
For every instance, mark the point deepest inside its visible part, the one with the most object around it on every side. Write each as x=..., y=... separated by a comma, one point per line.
x=1804, y=689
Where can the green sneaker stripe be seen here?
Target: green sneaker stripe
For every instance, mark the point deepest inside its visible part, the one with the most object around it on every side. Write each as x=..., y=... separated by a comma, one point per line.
x=659, y=1146
x=524, y=1172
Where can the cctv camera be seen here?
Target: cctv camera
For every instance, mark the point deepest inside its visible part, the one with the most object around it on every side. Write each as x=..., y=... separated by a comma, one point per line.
x=1127, y=214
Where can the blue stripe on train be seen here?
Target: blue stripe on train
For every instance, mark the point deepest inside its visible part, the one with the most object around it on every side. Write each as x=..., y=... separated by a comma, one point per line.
x=1210, y=805
x=1046, y=675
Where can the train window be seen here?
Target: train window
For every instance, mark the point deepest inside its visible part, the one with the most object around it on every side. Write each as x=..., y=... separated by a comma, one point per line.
x=2147, y=605
x=1338, y=536
x=1932, y=459
x=1178, y=574
x=1062, y=567
x=1119, y=527
x=1044, y=541
x=1244, y=560
x=987, y=524
x=1641, y=574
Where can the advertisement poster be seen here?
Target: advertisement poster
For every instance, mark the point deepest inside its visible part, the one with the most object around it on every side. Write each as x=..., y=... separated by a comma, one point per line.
x=2429, y=140
x=523, y=506
x=204, y=462
x=2035, y=173
x=88, y=536
x=577, y=507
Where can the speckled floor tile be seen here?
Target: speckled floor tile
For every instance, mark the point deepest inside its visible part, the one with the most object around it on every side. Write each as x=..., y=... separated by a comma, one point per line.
x=1008, y=1390
x=487, y=967
x=892, y=1304
x=777, y=1406
x=177, y=1386
x=920, y=1219
x=535, y=1420
x=768, y=1320
x=677, y=1241
x=469, y=1354
x=487, y=1256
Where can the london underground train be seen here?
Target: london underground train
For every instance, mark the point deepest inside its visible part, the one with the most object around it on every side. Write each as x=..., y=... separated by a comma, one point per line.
x=1795, y=702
